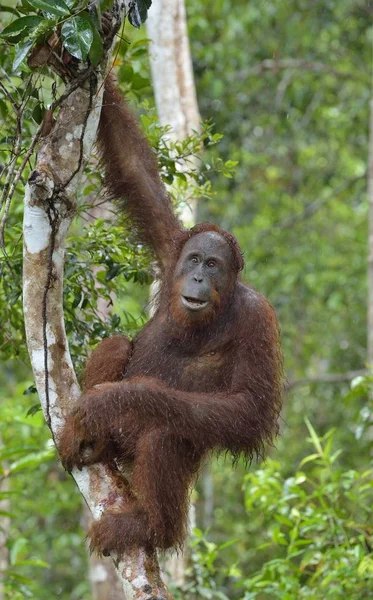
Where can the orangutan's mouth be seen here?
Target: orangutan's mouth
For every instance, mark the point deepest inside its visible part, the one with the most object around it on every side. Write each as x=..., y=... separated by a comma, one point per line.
x=193, y=303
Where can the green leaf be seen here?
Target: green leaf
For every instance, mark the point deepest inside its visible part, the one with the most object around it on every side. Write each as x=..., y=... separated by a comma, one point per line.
x=357, y=381
x=228, y=544
x=33, y=410
x=106, y=4
x=34, y=562
x=115, y=320
x=21, y=26
x=284, y=520
x=138, y=82
x=6, y=513
x=22, y=51
x=38, y=113
x=30, y=390
x=97, y=49
x=32, y=460
x=17, y=549
x=51, y=7
x=366, y=565
x=9, y=9
x=20, y=578
x=77, y=37
x=308, y=459
x=113, y=272
x=314, y=437
x=15, y=450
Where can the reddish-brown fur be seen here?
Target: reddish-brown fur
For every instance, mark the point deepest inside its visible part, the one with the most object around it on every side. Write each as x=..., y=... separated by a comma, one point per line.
x=183, y=387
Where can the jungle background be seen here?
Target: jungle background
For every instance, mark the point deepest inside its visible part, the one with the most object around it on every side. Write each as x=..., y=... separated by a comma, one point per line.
x=284, y=89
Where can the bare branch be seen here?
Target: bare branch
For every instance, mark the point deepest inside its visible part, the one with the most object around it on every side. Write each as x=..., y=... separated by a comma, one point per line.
x=279, y=64
x=10, y=98
x=328, y=378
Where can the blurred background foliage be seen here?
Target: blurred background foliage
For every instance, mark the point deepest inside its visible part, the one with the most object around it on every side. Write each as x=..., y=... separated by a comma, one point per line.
x=288, y=84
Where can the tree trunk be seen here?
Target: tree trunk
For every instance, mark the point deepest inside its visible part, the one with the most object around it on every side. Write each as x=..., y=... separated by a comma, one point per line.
x=176, y=102
x=208, y=497
x=103, y=577
x=50, y=198
x=172, y=75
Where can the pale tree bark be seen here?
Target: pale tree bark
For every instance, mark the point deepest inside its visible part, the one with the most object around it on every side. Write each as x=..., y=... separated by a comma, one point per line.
x=50, y=198
x=103, y=577
x=172, y=76
x=208, y=497
x=177, y=107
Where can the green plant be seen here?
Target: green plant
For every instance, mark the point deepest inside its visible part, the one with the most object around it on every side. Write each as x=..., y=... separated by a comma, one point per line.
x=316, y=523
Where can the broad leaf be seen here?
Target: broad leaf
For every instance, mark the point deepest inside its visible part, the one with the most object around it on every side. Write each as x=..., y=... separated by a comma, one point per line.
x=17, y=549
x=21, y=26
x=97, y=49
x=32, y=460
x=9, y=9
x=77, y=37
x=22, y=51
x=33, y=410
x=58, y=9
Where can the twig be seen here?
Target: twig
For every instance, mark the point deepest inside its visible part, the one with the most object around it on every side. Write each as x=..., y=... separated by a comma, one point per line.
x=16, y=147
x=12, y=188
x=10, y=97
x=327, y=378
x=282, y=87
x=5, y=197
x=275, y=65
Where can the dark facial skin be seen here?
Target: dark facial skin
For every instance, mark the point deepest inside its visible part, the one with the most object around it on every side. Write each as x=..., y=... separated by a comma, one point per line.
x=205, y=267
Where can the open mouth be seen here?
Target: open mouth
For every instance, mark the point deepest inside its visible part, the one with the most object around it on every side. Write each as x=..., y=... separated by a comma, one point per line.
x=193, y=303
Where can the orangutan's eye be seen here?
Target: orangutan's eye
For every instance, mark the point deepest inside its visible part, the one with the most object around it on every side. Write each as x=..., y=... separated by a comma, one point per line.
x=194, y=259
x=211, y=264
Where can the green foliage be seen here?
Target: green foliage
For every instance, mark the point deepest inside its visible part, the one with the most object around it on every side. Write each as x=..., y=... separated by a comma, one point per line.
x=12, y=342
x=27, y=462
x=97, y=272
x=79, y=28
x=316, y=525
x=204, y=573
x=312, y=529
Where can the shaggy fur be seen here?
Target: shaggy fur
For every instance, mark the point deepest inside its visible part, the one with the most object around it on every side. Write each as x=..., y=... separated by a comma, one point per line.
x=184, y=387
